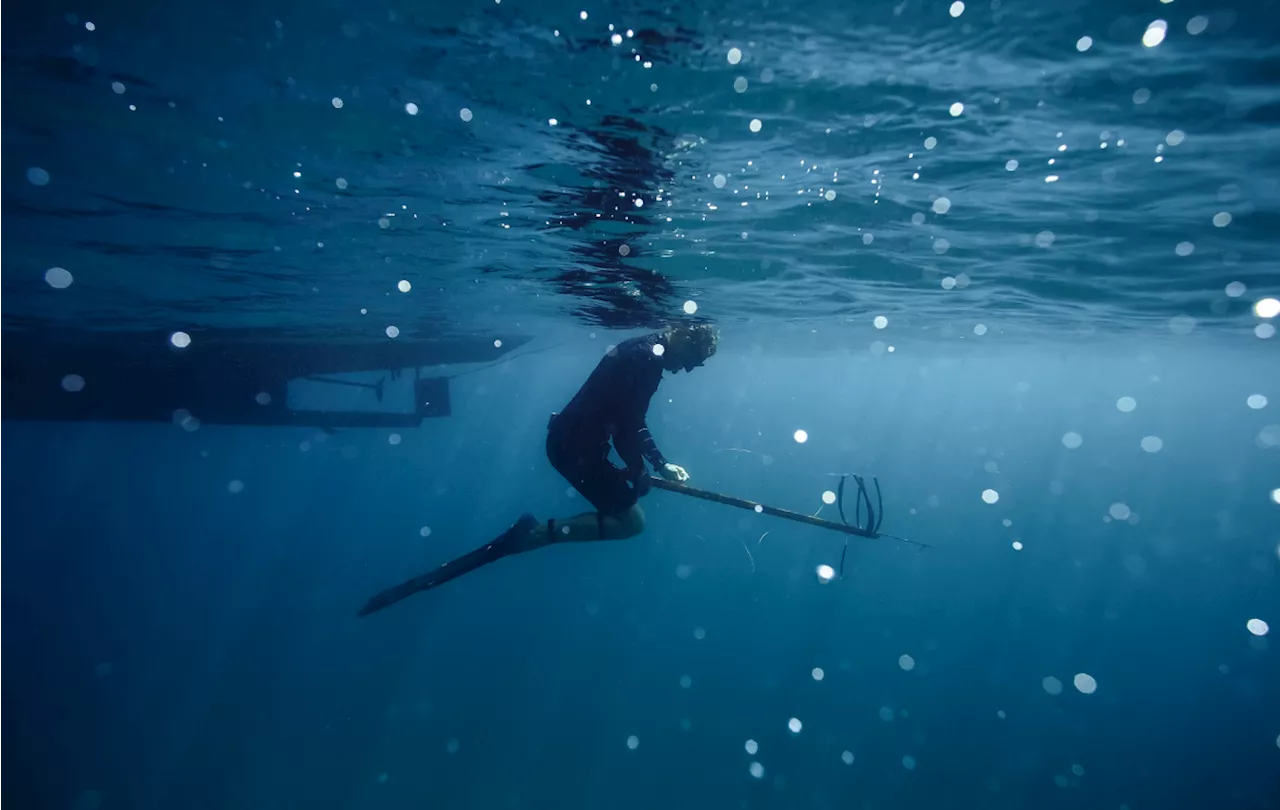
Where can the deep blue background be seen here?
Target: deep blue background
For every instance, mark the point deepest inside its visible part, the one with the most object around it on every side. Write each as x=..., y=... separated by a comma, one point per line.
x=169, y=643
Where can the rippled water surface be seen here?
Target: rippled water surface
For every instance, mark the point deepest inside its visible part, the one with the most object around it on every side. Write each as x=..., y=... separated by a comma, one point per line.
x=1016, y=164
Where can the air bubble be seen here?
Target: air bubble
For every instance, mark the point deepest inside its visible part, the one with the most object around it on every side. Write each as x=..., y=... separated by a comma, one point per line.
x=1182, y=324
x=58, y=278
x=1085, y=683
x=1267, y=308
x=1154, y=34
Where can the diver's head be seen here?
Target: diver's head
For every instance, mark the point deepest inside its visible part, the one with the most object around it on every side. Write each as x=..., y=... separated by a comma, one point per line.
x=688, y=346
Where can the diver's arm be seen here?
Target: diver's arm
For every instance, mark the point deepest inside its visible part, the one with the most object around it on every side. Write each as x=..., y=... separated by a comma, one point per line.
x=640, y=376
x=632, y=451
x=650, y=448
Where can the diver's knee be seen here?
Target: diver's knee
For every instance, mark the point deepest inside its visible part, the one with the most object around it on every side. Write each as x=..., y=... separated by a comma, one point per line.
x=635, y=518
x=626, y=524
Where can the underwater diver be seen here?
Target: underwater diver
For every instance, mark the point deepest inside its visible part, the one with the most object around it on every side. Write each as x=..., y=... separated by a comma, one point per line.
x=610, y=407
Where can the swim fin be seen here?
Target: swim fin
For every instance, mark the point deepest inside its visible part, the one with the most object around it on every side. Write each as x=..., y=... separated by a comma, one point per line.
x=509, y=542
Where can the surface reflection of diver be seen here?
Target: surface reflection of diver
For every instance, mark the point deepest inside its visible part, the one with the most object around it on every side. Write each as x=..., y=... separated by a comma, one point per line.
x=609, y=408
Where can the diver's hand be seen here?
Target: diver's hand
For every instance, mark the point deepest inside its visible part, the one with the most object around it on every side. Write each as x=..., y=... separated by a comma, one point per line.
x=674, y=472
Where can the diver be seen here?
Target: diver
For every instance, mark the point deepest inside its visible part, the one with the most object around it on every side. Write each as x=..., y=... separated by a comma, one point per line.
x=609, y=408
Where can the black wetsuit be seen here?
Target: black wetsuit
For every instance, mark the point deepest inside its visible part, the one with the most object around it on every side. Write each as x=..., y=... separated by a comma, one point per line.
x=610, y=406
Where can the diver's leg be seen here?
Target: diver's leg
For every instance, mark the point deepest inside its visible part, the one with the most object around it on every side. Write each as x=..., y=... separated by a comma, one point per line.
x=617, y=517
x=591, y=526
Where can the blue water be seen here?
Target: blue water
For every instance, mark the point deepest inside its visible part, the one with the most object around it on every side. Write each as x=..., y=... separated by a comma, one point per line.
x=1066, y=388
